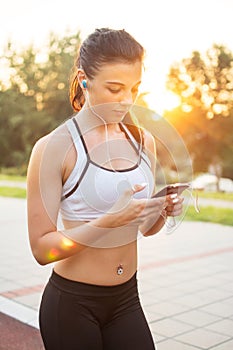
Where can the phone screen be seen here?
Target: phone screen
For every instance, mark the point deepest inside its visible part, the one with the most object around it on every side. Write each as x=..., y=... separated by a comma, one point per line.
x=171, y=189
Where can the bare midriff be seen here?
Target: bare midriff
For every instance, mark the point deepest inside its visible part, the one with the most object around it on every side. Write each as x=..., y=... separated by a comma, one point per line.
x=99, y=266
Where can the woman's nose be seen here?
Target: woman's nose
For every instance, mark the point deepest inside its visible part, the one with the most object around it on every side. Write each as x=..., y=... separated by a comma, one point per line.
x=127, y=99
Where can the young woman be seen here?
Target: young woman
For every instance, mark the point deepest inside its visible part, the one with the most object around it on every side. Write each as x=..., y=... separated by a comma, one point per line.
x=97, y=171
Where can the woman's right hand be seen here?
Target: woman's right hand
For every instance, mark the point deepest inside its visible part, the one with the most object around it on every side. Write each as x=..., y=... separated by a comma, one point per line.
x=131, y=211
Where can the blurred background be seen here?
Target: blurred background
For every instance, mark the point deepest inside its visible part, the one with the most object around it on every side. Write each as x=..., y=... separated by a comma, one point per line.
x=187, y=85
x=186, y=102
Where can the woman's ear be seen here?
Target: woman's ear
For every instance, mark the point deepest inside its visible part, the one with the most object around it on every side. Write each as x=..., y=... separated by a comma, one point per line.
x=82, y=79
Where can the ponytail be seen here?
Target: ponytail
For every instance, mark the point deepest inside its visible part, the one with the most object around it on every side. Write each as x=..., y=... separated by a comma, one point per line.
x=77, y=98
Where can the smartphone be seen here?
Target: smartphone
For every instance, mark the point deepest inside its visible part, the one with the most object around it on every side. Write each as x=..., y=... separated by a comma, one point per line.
x=177, y=188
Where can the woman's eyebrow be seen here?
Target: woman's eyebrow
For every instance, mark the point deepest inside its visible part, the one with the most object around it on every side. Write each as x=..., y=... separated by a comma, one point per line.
x=119, y=83
x=114, y=82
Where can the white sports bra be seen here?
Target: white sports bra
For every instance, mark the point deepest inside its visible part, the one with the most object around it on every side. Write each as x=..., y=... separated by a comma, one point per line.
x=91, y=190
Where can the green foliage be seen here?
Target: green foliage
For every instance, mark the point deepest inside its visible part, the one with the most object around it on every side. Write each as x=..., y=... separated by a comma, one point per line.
x=14, y=192
x=216, y=195
x=36, y=97
x=208, y=214
x=205, y=117
x=212, y=214
x=9, y=175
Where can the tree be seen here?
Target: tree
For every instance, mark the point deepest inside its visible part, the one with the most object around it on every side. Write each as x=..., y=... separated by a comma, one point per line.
x=36, y=96
x=205, y=117
x=173, y=161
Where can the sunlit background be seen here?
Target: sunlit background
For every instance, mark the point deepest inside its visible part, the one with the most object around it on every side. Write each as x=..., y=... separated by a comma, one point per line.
x=187, y=86
x=169, y=30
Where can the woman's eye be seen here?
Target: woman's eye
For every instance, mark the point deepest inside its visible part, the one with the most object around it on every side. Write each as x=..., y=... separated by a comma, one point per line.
x=114, y=91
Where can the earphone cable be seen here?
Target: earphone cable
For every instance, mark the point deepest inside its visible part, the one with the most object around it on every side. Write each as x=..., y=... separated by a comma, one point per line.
x=107, y=138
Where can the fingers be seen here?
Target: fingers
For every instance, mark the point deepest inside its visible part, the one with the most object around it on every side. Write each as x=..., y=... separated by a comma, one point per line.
x=138, y=187
x=141, y=209
x=153, y=207
x=175, y=205
x=129, y=192
x=160, y=202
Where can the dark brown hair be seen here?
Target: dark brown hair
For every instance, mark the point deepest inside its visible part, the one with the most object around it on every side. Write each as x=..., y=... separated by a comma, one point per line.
x=103, y=46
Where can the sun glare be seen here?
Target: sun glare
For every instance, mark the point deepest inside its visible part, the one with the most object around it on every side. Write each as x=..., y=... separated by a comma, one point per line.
x=161, y=102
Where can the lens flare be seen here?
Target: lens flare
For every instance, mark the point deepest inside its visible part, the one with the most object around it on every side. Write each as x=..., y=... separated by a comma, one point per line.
x=67, y=243
x=53, y=254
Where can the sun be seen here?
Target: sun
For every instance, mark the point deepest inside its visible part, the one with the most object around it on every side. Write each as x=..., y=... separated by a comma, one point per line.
x=162, y=101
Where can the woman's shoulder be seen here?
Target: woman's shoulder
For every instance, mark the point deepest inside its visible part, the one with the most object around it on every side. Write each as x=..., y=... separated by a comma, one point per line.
x=148, y=139
x=56, y=139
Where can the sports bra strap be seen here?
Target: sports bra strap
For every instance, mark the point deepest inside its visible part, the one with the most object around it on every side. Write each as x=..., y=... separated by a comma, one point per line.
x=135, y=144
x=77, y=138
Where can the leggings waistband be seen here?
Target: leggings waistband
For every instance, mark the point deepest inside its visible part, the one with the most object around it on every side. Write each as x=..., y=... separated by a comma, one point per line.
x=82, y=288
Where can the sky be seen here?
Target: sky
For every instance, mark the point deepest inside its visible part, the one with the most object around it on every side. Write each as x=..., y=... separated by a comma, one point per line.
x=168, y=29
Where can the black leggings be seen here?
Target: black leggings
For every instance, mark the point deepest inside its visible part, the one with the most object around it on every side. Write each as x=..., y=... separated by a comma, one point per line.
x=81, y=316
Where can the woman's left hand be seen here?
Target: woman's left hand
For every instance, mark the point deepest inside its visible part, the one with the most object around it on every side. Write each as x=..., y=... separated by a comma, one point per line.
x=175, y=205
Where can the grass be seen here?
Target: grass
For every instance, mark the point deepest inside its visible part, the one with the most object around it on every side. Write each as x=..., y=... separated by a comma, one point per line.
x=212, y=214
x=215, y=195
x=20, y=178
x=14, y=192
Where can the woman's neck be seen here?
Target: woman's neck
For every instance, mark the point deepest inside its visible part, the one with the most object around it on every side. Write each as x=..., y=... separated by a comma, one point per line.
x=87, y=121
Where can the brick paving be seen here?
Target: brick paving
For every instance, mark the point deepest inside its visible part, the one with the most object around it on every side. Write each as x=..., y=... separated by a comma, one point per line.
x=18, y=335
x=185, y=283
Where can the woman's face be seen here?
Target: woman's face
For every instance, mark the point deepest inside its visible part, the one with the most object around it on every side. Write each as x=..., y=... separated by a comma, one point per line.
x=114, y=89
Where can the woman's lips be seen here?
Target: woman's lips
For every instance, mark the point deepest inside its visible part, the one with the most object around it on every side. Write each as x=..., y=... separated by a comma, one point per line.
x=120, y=111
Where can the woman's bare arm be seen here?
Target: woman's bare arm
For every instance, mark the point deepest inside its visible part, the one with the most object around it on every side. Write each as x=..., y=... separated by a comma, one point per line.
x=155, y=223
x=44, y=189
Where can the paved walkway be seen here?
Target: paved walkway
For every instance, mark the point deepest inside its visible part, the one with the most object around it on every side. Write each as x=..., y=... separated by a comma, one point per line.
x=8, y=183
x=185, y=281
